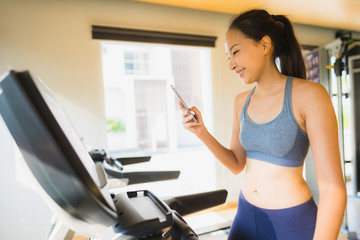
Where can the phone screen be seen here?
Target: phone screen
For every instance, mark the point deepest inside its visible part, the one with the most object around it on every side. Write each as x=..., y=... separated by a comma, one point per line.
x=182, y=102
x=180, y=98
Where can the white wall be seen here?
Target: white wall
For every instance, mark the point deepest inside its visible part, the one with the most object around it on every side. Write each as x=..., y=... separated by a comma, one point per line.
x=52, y=39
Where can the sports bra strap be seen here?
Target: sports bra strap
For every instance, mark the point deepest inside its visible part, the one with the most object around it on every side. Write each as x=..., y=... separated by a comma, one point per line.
x=287, y=94
x=248, y=100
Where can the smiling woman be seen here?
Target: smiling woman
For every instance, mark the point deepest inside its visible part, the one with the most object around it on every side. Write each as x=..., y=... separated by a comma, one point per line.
x=273, y=126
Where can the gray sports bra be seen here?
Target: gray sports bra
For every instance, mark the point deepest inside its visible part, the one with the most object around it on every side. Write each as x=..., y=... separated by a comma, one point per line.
x=280, y=141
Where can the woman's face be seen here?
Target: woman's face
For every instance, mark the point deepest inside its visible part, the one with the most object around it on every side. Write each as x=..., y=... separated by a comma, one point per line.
x=246, y=56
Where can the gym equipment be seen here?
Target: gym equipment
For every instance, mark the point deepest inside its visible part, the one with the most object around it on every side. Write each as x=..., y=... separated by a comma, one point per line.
x=114, y=168
x=76, y=188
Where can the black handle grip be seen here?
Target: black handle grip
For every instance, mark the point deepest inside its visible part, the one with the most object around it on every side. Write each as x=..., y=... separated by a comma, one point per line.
x=196, y=202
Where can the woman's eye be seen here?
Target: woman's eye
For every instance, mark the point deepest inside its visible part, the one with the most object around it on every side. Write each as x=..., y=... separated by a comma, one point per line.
x=235, y=52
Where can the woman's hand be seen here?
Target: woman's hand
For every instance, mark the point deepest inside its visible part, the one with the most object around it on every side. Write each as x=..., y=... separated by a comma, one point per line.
x=195, y=127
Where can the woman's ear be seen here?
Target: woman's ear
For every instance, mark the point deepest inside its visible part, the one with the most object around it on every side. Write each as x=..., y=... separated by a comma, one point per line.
x=266, y=44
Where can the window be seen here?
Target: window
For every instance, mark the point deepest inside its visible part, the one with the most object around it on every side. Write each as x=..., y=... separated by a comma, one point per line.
x=136, y=63
x=142, y=112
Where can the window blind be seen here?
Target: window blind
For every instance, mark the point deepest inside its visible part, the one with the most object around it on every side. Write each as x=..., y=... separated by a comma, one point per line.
x=136, y=35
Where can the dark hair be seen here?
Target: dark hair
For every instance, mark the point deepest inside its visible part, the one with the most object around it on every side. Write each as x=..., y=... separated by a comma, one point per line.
x=256, y=24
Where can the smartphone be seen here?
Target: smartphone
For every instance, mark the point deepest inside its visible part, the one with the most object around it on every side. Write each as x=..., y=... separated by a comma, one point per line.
x=182, y=102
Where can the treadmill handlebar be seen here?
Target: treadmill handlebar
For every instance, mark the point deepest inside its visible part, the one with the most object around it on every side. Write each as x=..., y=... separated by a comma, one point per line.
x=99, y=155
x=142, y=215
x=181, y=229
x=188, y=204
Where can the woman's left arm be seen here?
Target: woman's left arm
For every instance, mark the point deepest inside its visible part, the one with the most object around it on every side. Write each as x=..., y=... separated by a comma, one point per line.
x=321, y=126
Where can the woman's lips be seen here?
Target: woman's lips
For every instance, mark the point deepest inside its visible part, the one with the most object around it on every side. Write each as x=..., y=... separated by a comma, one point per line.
x=241, y=72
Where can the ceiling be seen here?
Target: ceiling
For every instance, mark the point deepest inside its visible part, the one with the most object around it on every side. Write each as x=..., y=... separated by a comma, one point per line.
x=338, y=14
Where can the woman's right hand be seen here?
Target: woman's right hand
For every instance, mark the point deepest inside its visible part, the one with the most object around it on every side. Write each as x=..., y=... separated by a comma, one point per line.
x=187, y=120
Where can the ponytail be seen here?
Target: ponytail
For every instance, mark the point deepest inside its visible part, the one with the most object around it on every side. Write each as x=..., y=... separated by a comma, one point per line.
x=256, y=24
x=291, y=59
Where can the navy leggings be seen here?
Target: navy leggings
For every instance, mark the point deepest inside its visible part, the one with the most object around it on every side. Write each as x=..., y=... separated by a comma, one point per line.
x=254, y=223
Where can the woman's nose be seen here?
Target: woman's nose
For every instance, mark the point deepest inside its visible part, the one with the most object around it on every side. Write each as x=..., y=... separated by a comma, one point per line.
x=232, y=65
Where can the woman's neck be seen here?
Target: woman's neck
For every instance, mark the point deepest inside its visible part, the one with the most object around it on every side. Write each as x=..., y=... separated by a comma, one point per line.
x=270, y=81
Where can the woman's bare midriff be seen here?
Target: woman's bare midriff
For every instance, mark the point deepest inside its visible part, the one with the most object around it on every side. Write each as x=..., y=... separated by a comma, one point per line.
x=271, y=186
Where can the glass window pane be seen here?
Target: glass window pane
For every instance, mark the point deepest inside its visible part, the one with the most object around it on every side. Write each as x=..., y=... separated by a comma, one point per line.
x=143, y=116
x=150, y=119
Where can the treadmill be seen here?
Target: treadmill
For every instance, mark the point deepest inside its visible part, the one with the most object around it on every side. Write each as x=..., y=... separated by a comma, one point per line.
x=75, y=187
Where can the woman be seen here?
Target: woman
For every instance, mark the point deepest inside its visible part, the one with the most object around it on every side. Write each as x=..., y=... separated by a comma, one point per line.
x=273, y=126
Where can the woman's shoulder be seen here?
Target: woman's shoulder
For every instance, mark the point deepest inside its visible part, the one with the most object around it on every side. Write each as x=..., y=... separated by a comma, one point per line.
x=309, y=89
x=240, y=99
x=309, y=93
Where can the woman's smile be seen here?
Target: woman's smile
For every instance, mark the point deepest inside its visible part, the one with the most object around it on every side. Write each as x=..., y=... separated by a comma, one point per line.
x=240, y=72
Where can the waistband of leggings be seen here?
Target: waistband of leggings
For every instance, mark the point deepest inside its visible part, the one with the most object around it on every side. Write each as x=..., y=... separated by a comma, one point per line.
x=283, y=211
